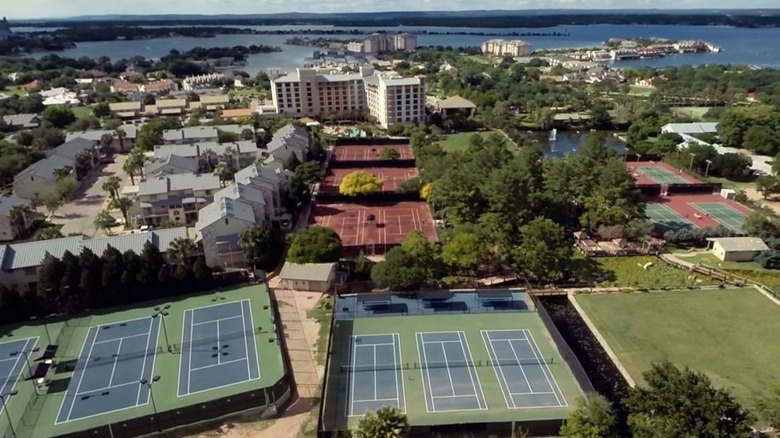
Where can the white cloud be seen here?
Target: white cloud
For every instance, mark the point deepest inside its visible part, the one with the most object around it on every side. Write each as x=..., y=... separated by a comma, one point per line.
x=68, y=8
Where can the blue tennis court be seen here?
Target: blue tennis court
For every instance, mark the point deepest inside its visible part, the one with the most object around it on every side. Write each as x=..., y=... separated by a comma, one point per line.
x=218, y=347
x=375, y=374
x=450, y=381
x=12, y=363
x=521, y=370
x=113, y=360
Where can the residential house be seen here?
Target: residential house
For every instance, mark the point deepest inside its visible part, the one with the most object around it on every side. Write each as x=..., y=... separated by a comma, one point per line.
x=271, y=182
x=243, y=153
x=220, y=225
x=175, y=197
x=690, y=128
x=160, y=88
x=645, y=82
x=19, y=262
x=117, y=145
x=456, y=105
x=125, y=110
x=11, y=226
x=191, y=83
x=32, y=86
x=60, y=96
x=287, y=141
x=201, y=134
x=171, y=107
x=211, y=103
x=124, y=87
x=260, y=201
x=18, y=122
x=40, y=178
x=170, y=165
x=314, y=277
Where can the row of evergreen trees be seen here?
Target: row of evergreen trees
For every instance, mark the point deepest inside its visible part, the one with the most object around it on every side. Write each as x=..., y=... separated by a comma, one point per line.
x=75, y=282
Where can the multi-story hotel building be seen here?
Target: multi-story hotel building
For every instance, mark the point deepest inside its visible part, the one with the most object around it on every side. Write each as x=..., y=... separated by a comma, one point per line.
x=506, y=48
x=390, y=99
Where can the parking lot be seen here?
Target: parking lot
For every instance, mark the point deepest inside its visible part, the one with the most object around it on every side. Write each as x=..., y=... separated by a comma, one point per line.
x=78, y=214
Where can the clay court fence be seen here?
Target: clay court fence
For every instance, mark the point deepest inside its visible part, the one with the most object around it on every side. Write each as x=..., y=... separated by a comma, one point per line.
x=371, y=198
x=189, y=415
x=649, y=189
x=704, y=189
x=372, y=141
x=359, y=164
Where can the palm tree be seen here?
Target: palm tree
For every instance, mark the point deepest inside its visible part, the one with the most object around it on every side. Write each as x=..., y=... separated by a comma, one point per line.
x=104, y=221
x=112, y=185
x=52, y=203
x=387, y=422
x=228, y=155
x=106, y=140
x=181, y=248
x=208, y=153
x=122, y=204
x=19, y=218
x=129, y=167
x=222, y=170
x=121, y=134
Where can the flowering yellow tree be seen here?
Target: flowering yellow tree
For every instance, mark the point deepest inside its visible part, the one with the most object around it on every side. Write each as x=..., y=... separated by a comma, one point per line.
x=359, y=183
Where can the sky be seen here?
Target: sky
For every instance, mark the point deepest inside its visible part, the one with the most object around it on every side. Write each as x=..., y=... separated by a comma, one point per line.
x=25, y=9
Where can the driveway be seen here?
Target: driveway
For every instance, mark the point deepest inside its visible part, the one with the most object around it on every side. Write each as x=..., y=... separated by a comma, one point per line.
x=77, y=216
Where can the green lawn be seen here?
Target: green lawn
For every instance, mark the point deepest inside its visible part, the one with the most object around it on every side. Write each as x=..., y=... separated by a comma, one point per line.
x=696, y=112
x=730, y=184
x=15, y=91
x=750, y=270
x=82, y=112
x=460, y=142
x=725, y=333
x=641, y=91
x=630, y=272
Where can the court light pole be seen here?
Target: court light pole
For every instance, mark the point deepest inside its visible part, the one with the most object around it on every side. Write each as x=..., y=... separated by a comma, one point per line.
x=707, y=170
x=162, y=313
x=45, y=326
x=638, y=156
x=151, y=396
x=27, y=358
x=4, y=398
x=690, y=166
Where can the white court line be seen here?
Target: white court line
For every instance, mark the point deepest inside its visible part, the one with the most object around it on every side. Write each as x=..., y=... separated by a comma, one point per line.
x=109, y=387
x=443, y=342
x=450, y=397
x=220, y=319
x=395, y=374
x=107, y=341
x=467, y=353
x=217, y=364
x=351, y=398
x=497, y=368
x=83, y=371
x=246, y=342
x=373, y=348
x=420, y=356
x=449, y=372
x=546, y=369
x=189, y=347
x=531, y=393
x=19, y=374
x=219, y=349
x=143, y=367
x=116, y=360
x=519, y=365
x=62, y=405
x=254, y=339
x=375, y=400
x=402, y=394
x=11, y=358
x=375, y=345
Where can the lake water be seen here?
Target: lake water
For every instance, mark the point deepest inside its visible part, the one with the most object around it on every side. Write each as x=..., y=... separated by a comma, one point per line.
x=569, y=142
x=740, y=46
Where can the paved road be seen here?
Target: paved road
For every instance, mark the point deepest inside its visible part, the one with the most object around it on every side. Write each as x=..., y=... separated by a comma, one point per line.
x=78, y=215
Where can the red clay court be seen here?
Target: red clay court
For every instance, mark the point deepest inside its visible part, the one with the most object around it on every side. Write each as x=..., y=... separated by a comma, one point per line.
x=369, y=152
x=391, y=177
x=658, y=172
x=390, y=225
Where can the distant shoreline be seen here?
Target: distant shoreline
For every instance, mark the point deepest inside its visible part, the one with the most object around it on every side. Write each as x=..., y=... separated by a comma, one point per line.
x=473, y=19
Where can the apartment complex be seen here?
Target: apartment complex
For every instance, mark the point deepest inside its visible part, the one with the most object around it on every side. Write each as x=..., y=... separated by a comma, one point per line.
x=500, y=47
x=175, y=197
x=390, y=99
x=381, y=43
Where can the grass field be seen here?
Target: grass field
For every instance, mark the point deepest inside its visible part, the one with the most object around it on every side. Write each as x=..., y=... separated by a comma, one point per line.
x=39, y=421
x=460, y=142
x=82, y=112
x=696, y=112
x=750, y=270
x=723, y=333
x=629, y=272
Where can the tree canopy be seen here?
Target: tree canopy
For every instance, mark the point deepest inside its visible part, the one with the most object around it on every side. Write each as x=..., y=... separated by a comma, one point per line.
x=386, y=422
x=263, y=245
x=315, y=245
x=359, y=182
x=592, y=417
